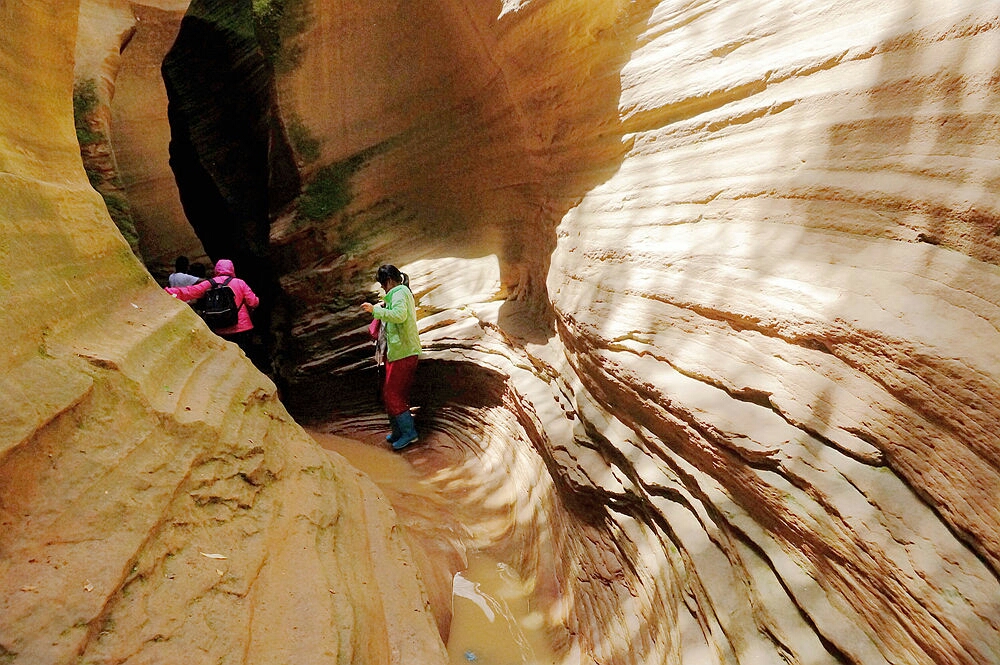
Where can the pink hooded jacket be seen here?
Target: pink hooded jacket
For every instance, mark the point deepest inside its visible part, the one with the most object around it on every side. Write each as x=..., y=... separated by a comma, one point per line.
x=246, y=299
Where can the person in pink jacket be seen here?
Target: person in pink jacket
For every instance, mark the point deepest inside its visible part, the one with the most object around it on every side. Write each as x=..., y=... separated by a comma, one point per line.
x=246, y=300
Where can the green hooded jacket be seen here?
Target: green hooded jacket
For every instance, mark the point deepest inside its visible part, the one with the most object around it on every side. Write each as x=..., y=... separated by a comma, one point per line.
x=399, y=315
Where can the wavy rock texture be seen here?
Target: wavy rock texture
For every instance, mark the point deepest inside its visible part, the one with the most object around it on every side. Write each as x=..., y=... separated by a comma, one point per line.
x=709, y=302
x=157, y=502
x=764, y=428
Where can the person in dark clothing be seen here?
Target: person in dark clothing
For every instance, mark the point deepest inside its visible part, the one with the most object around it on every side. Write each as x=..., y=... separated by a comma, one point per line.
x=181, y=276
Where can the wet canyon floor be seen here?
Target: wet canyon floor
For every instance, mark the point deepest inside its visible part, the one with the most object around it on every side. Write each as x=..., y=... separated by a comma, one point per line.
x=489, y=607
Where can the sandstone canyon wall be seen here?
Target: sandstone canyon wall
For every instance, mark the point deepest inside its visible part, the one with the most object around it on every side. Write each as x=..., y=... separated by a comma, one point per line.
x=735, y=266
x=157, y=502
x=140, y=131
x=709, y=301
x=103, y=28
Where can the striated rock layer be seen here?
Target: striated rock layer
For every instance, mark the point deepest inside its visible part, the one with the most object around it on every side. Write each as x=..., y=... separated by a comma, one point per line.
x=748, y=253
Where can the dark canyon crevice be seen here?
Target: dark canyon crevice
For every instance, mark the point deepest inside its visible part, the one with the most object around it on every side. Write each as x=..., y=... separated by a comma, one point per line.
x=234, y=167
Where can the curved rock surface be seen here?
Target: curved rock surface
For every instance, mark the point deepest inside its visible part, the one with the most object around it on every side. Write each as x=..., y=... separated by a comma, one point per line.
x=140, y=132
x=157, y=502
x=767, y=235
x=708, y=295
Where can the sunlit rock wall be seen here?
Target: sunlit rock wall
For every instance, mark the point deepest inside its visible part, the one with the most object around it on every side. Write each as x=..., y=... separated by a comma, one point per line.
x=140, y=132
x=103, y=28
x=708, y=298
x=791, y=301
x=798, y=312
x=756, y=356
x=157, y=502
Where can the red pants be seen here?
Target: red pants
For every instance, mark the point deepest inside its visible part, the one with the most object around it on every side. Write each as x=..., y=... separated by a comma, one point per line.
x=398, y=382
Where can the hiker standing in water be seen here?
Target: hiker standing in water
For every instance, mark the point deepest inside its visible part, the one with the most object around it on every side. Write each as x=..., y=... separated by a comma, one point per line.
x=398, y=314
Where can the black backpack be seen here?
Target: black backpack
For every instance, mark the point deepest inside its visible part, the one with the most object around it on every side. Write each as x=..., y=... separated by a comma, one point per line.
x=219, y=306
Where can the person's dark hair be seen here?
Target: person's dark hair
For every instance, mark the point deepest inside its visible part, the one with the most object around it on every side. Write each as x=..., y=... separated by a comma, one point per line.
x=181, y=264
x=387, y=272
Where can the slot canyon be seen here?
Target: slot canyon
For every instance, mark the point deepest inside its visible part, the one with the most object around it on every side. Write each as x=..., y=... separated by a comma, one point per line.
x=709, y=300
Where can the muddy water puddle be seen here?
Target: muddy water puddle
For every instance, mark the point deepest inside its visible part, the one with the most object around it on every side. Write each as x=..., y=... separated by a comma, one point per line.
x=491, y=619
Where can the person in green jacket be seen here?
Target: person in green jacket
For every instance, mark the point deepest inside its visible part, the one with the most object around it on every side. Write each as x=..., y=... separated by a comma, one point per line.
x=398, y=314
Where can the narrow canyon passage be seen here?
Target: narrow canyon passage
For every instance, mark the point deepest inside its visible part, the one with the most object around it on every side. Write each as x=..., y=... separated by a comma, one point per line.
x=658, y=502
x=475, y=501
x=716, y=457
x=709, y=299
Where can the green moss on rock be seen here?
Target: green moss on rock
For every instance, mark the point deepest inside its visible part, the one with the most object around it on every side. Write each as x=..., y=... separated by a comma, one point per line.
x=277, y=23
x=306, y=145
x=84, y=104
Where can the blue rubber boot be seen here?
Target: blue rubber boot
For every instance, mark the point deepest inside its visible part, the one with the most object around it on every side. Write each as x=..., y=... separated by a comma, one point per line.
x=407, y=430
x=392, y=436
